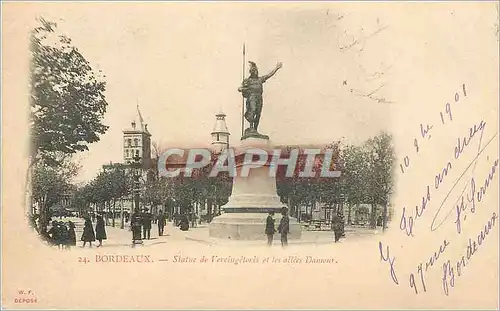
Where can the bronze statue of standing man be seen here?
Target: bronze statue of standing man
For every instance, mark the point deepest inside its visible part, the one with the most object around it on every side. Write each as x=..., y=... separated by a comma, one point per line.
x=252, y=89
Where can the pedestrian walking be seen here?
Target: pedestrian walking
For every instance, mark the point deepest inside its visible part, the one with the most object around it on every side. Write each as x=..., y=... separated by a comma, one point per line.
x=284, y=227
x=147, y=218
x=270, y=230
x=88, y=232
x=380, y=221
x=64, y=234
x=336, y=227
x=342, y=224
x=184, y=223
x=54, y=234
x=135, y=224
x=71, y=234
x=161, y=223
x=100, y=230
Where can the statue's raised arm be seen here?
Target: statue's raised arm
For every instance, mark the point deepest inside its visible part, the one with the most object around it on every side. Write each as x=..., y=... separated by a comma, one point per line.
x=272, y=73
x=252, y=89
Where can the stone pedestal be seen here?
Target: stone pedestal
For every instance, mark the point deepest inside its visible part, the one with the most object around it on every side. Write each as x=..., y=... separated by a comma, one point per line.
x=252, y=198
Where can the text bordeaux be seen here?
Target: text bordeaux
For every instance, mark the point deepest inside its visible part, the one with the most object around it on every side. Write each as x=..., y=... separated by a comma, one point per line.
x=123, y=258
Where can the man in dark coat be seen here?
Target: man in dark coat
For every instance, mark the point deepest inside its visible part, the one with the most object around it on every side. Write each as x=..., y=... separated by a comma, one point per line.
x=147, y=218
x=161, y=223
x=284, y=227
x=336, y=227
x=88, y=232
x=270, y=228
x=135, y=224
x=342, y=224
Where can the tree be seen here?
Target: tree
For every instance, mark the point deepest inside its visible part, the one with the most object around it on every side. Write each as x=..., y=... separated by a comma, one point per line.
x=109, y=186
x=119, y=184
x=367, y=175
x=296, y=191
x=381, y=159
x=67, y=97
x=66, y=110
x=355, y=177
x=82, y=198
x=191, y=192
x=155, y=193
x=48, y=184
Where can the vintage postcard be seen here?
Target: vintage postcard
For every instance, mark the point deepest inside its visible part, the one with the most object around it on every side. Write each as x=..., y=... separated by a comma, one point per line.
x=250, y=155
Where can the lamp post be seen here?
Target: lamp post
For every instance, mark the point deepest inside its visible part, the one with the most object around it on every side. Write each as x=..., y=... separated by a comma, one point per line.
x=122, y=224
x=137, y=172
x=172, y=209
x=137, y=237
x=213, y=203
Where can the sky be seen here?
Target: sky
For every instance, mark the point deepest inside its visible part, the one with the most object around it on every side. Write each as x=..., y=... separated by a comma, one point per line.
x=341, y=78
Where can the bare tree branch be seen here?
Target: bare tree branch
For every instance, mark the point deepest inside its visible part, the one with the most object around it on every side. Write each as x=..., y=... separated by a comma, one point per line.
x=375, y=91
x=346, y=47
x=371, y=96
x=157, y=149
x=363, y=39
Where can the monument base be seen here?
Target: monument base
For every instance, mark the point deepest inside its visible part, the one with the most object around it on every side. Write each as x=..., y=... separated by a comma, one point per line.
x=252, y=198
x=248, y=226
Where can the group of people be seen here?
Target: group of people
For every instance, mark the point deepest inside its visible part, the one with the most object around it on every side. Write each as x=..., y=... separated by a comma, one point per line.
x=283, y=227
x=62, y=235
x=89, y=235
x=142, y=220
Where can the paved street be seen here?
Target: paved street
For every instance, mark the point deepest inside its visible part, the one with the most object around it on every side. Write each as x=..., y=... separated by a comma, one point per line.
x=117, y=237
x=201, y=235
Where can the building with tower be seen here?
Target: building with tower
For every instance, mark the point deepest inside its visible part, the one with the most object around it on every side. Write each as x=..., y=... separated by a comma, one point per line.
x=137, y=143
x=220, y=133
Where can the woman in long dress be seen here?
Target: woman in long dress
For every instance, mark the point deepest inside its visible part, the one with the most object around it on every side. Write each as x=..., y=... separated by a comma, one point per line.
x=184, y=225
x=71, y=234
x=88, y=232
x=100, y=230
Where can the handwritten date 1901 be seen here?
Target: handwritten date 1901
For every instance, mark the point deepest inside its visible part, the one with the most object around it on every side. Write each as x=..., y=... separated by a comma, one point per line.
x=448, y=106
x=426, y=129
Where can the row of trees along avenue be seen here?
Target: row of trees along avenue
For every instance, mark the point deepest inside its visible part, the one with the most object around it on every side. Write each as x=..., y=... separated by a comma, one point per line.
x=67, y=110
x=367, y=171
